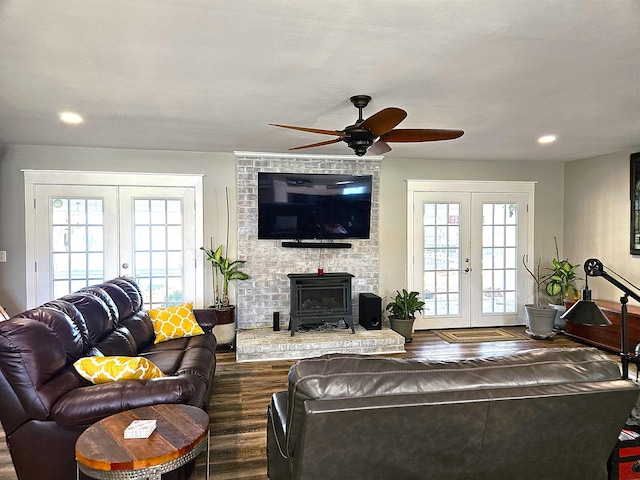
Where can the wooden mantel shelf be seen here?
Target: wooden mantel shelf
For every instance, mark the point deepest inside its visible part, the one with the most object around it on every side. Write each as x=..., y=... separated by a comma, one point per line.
x=608, y=337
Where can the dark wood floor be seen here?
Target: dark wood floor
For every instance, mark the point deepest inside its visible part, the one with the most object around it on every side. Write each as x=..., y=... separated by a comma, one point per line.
x=242, y=392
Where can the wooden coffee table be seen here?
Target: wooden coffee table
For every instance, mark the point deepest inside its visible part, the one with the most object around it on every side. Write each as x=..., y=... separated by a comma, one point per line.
x=182, y=432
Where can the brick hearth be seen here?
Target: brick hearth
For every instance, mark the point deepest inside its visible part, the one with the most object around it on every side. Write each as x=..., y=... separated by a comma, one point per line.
x=260, y=344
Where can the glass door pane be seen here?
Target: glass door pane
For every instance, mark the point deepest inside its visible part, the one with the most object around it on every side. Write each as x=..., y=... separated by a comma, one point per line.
x=161, y=246
x=157, y=250
x=501, y=239
x=76, y=241
x=441, y=251
x=499, y=257
x=442, y=258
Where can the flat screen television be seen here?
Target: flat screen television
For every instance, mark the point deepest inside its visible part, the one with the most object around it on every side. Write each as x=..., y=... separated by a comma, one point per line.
x=304, y=206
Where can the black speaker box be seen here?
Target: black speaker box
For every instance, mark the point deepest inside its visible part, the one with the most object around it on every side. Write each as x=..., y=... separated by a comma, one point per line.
x=370, y=309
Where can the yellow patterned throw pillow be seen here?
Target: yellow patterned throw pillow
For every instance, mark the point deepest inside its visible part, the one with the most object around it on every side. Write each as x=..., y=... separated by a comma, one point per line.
x=174, y=322
x=113, y=369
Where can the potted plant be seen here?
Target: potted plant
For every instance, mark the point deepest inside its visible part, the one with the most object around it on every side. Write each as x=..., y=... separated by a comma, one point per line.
x=224, y=271
x=540, y=318
x=402, y=310
x=559, y=284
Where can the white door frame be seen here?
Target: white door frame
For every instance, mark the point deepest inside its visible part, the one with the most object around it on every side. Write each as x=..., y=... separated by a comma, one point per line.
x=415, y=186
x=100, y=178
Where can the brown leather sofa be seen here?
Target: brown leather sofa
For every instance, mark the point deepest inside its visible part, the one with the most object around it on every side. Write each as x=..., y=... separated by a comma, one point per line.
x=541, y=414
x=45, y=404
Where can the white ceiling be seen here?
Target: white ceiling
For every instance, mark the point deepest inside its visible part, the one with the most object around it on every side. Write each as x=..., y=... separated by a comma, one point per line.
x=209, y=75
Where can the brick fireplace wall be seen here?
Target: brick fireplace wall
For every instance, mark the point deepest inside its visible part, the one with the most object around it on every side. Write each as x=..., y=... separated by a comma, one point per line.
x=268, y=263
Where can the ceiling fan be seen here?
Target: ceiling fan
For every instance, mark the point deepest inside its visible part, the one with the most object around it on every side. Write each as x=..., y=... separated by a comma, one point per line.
x=374, y=134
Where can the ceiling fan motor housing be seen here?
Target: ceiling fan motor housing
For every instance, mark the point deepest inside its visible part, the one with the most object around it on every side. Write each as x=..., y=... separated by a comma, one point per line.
x=358, y=139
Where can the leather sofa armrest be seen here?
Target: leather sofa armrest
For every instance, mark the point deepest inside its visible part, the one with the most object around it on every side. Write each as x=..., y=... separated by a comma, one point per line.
x=87, y=405
x=206, y=318
x=279, y=402
x=278, y=460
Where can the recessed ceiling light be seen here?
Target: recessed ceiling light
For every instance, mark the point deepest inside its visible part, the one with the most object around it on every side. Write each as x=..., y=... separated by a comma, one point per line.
x=71, y=117
x=547, y=139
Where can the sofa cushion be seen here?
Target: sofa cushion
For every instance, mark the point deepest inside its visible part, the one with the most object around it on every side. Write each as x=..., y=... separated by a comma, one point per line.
x=141, y=329
x=102, y=294
x=338, y=375
x=129, y=286
x=120, y=298
x=95, y=312
x=86, y=405
x=113, y=369
x=119, y=342
x=66, y=323
x=176, y=321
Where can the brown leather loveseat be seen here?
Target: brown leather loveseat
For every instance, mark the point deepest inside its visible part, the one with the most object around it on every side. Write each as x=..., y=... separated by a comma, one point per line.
x=551, y=414
x=45, y=404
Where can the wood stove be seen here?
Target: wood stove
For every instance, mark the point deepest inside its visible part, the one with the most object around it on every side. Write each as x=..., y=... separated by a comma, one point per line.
x=318, y=299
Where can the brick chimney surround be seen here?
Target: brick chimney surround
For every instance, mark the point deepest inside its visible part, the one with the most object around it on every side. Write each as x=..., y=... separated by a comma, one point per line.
x=269, y=263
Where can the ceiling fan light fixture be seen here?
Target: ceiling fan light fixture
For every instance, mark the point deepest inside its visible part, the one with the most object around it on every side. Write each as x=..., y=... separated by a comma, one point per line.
x=546, y=139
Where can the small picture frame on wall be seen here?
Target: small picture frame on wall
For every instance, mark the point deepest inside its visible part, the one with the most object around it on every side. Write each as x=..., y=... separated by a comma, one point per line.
x=635, y=203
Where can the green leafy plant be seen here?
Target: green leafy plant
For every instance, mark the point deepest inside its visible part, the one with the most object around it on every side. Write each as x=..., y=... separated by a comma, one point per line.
x=224, y=270
x=405, y=305
x=561, y=278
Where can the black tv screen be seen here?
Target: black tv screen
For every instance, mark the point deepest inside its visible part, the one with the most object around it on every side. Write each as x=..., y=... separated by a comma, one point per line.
x=301, y=206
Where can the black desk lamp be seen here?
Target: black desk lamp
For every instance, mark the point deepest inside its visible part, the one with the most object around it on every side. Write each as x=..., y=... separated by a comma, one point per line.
x=586, y=312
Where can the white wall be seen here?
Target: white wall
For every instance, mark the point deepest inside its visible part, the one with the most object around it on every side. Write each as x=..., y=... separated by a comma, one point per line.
x=597, y=215
x=220, y=171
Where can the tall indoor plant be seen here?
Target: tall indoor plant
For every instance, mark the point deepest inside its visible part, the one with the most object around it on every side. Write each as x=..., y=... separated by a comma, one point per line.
x=560, y=284
x=540, y=318
x=403, y=310
x=224, y=270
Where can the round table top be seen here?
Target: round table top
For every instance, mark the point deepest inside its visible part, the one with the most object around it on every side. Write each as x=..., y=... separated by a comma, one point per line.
x=179, y=429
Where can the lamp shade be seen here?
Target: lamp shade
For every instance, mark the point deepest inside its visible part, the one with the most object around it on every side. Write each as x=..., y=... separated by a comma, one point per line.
x=586, y=312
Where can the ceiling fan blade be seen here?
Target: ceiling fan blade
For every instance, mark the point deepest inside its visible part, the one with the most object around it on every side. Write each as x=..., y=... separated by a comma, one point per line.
x=378, y=148
x=383, y=121
x=319, y=144
x=312, y=130
x=420, y=135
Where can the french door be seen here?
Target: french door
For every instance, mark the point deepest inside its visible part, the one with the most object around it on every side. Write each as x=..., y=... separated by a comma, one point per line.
x=84, y=234
x=466, y=245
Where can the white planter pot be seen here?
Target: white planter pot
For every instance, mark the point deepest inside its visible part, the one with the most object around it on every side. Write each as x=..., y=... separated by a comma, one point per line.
x=225, y=328
x=225, y=334
x=540, y=321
